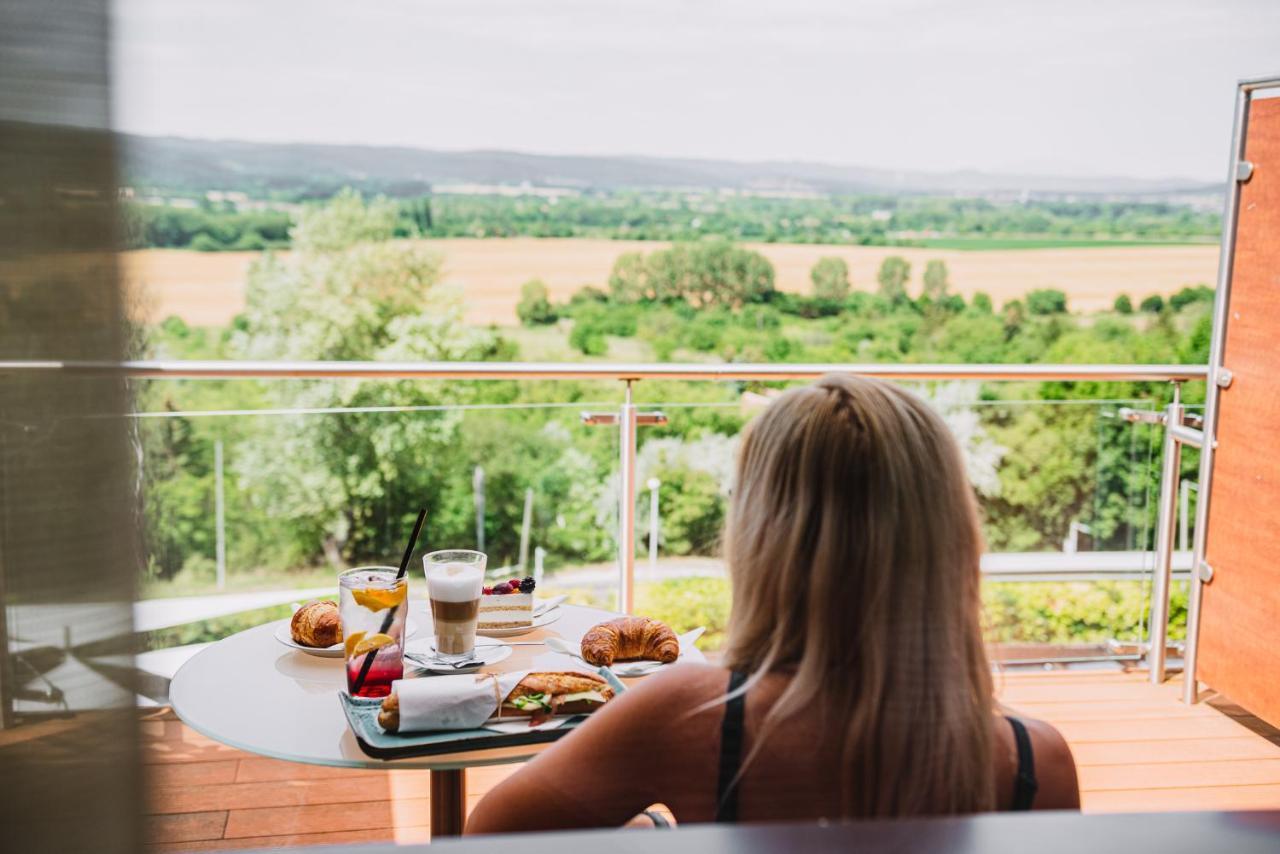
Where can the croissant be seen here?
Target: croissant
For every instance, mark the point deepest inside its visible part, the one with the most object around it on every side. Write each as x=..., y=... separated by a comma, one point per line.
x=628, y=639
x=316, y=624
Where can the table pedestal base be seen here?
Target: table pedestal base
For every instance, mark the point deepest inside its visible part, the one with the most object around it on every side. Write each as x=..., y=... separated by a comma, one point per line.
x=448, y=802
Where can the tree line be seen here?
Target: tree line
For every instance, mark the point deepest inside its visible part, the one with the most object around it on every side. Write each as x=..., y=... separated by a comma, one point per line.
x=848, y=220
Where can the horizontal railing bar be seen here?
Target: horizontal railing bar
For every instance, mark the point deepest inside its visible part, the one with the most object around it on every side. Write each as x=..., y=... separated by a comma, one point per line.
x=1078, y=566
x=1255, y=83
x=604, y=371
x=1187, y=435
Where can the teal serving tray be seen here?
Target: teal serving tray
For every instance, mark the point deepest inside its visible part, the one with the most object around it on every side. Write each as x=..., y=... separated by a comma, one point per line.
x=362, y=717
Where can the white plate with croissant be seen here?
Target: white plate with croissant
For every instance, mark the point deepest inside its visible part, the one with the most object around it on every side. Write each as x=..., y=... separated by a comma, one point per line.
x=316, y=630
x=335, y=651
x=637, y=646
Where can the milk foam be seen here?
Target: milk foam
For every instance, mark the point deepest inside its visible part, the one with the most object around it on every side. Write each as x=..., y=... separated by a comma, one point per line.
x=454, y=582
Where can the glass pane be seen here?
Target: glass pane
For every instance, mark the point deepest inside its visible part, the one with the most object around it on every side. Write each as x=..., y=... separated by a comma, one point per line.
x=258, y=493
x=1066, y=488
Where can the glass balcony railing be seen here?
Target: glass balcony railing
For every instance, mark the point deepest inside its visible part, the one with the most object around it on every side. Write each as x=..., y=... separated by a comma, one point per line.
x=253, y=508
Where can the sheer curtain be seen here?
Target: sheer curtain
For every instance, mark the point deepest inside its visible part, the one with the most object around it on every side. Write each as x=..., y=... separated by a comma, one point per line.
x=68, y=549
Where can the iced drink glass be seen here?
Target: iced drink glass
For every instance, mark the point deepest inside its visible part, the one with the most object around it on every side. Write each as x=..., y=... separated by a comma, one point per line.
x=373, y=605
x=455, y=579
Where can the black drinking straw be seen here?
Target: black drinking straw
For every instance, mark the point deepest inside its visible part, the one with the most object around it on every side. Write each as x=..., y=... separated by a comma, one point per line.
x=386, y=622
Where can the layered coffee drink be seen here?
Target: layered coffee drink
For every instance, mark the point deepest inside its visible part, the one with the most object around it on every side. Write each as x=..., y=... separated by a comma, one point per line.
x=455, y=580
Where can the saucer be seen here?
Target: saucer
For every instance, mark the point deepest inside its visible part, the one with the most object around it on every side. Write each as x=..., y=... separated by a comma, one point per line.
x=423, y=656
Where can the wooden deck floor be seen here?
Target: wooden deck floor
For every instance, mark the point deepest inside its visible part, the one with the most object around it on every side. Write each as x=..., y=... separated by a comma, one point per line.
x=1138, y=749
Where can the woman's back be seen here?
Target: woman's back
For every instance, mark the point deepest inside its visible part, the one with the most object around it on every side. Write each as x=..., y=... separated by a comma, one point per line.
x=853, y=546
x=652, y=749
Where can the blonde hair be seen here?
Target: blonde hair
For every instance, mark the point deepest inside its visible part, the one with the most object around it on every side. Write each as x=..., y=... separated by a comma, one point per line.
x=853, y=546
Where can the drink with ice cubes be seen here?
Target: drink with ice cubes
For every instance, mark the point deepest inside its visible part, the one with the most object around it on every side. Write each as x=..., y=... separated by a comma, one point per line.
x=373, y=606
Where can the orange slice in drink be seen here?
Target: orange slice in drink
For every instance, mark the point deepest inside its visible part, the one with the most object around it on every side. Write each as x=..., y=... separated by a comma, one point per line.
x=378, y=599
x=351, y=641
x=377, y=640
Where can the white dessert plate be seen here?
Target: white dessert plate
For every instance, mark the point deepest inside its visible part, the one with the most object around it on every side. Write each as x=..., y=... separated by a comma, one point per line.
x=423, y=656
x=336, y=651
x=544, y=619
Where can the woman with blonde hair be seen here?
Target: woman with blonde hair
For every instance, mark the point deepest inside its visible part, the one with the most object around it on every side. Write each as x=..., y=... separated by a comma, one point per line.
x=854, y=681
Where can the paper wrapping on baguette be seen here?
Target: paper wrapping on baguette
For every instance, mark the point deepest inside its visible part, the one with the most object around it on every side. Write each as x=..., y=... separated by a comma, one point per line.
x=469, y=701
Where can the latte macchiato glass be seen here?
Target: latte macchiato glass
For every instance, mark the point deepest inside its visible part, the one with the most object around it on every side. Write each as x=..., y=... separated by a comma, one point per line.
x=455, y=579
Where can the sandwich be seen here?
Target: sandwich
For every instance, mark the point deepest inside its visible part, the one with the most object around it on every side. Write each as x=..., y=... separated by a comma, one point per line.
x=537, y=696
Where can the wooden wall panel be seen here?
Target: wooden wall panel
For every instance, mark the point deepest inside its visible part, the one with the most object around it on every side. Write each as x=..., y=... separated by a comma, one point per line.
x=1240, y=620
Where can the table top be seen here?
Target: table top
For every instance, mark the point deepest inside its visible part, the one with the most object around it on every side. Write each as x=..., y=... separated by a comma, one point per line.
x=253, y=693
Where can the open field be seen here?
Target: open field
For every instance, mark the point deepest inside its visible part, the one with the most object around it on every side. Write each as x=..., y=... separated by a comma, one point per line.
x=207, y=288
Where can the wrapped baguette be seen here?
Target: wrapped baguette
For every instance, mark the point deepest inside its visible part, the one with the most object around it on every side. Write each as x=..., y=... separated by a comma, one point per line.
x=537, y=695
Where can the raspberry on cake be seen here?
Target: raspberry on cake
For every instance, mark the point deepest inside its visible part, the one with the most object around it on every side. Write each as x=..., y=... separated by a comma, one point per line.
x=507, y=605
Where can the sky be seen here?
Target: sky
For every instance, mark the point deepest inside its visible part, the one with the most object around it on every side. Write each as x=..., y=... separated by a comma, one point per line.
x=1136, y=88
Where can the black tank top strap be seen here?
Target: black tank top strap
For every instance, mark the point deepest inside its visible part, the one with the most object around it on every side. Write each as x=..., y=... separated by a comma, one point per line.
x=1024, y=781
x=731, y=750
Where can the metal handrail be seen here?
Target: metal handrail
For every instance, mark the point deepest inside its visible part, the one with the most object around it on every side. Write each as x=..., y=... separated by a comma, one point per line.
x=624, y=372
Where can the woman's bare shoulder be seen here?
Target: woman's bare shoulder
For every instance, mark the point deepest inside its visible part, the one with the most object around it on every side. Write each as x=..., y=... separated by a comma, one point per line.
x=1055, y=766
x=683, y=684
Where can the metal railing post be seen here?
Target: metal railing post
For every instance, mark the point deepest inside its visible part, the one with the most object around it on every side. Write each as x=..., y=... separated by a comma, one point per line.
x=220, y=518
x=1184, y=515
x=1219, y=378
x=1165, y=526
x=627, y=502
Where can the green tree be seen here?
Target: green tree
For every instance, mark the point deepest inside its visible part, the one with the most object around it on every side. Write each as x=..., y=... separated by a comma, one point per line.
x=1153, y=304
x=588, y=338
x=1015, y=315
x=629, y=279
x=1123, y=305
x=830, y=277
x=893, y=276
x=349, y=481
x=936, y=283
x=535, y=307
x=418, y=213
x=1190, y=295
x=982, y=303
x=1047, y=301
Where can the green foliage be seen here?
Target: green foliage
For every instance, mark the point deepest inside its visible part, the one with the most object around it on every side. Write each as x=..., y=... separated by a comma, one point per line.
x=1153, y=304
x=178, y=488
x=1073, y=612
x=685, y=216
x=535, y=307
x=1047, y=301
x=706, y=273
x=205, y=228
x=830, y=277
x=1123, y=305
x=981, y=303
x=936, y=283
x=687, y=603
x=348, y=482
x=587, y=338
x=892, y=278
x=1190, y=296
x=417, y=214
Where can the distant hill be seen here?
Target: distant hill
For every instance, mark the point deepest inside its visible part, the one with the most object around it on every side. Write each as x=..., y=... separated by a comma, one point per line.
x=307, y=170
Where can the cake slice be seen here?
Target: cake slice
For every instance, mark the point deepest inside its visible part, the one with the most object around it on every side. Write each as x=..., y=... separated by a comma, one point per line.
x=507, y=605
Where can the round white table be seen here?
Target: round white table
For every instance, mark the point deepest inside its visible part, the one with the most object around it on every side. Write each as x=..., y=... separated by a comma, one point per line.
x=251, y=692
